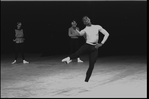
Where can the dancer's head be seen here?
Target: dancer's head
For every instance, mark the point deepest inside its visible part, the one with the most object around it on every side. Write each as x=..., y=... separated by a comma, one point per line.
x=19, y=24
x=73, y=23
x=86, y=21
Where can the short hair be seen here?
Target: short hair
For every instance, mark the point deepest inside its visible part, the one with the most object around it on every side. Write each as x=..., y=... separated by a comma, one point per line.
x=19, y=23
x=86, y=18
x=73, y=22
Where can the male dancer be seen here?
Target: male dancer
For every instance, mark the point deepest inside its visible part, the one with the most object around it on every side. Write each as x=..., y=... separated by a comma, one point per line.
x=74, y=43
x=91, y=46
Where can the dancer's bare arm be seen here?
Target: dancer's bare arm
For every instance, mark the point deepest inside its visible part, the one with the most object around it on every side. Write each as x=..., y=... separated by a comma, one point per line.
x=80, y=33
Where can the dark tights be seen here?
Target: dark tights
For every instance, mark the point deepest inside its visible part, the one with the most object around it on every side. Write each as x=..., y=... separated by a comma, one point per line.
x=93, y=55
x=19, y=47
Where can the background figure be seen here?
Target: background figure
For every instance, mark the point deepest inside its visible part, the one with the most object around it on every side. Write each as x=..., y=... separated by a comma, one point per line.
x=19, y=42
x=91, y=46
x=74, y=39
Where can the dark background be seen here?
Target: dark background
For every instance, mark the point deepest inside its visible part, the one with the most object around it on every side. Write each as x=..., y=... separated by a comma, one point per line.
x=46, y=25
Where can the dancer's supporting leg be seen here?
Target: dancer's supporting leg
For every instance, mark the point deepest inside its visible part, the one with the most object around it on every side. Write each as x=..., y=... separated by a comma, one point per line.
x=93, y=55
x=22, y=50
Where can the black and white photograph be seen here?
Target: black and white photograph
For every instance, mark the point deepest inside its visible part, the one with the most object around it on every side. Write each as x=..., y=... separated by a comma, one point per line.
x=73, y=48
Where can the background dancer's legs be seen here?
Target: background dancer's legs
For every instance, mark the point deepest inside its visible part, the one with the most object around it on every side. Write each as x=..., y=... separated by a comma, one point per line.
x=74, y=47
x=82, y=50
x=23, y=56
x=16, y=53
x=22, y=51
x=21, y=47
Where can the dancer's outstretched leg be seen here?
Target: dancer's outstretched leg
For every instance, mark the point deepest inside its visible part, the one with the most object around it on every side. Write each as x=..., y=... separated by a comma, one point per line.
x=82, y=50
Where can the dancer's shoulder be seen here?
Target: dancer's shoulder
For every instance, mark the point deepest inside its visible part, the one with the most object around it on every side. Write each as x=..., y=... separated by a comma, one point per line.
x=98, y=26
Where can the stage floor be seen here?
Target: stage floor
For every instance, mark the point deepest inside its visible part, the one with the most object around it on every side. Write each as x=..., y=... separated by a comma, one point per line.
x=47, y=77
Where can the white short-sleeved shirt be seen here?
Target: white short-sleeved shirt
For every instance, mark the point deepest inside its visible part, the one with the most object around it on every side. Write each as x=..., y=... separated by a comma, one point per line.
x=91, y=33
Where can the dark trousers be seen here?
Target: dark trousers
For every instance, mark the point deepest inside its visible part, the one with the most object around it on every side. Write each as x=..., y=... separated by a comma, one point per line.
x=74, y=45
x=93, y=55
x=19, y=48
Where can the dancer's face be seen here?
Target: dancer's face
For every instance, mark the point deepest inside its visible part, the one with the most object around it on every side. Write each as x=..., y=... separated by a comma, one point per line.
x=74, y=24
x=19, y=25
x=86, y=21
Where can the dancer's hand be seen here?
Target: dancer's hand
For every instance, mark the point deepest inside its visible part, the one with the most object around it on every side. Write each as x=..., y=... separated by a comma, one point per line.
x=77, y=29
x=98, y=45
x=77, y=32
